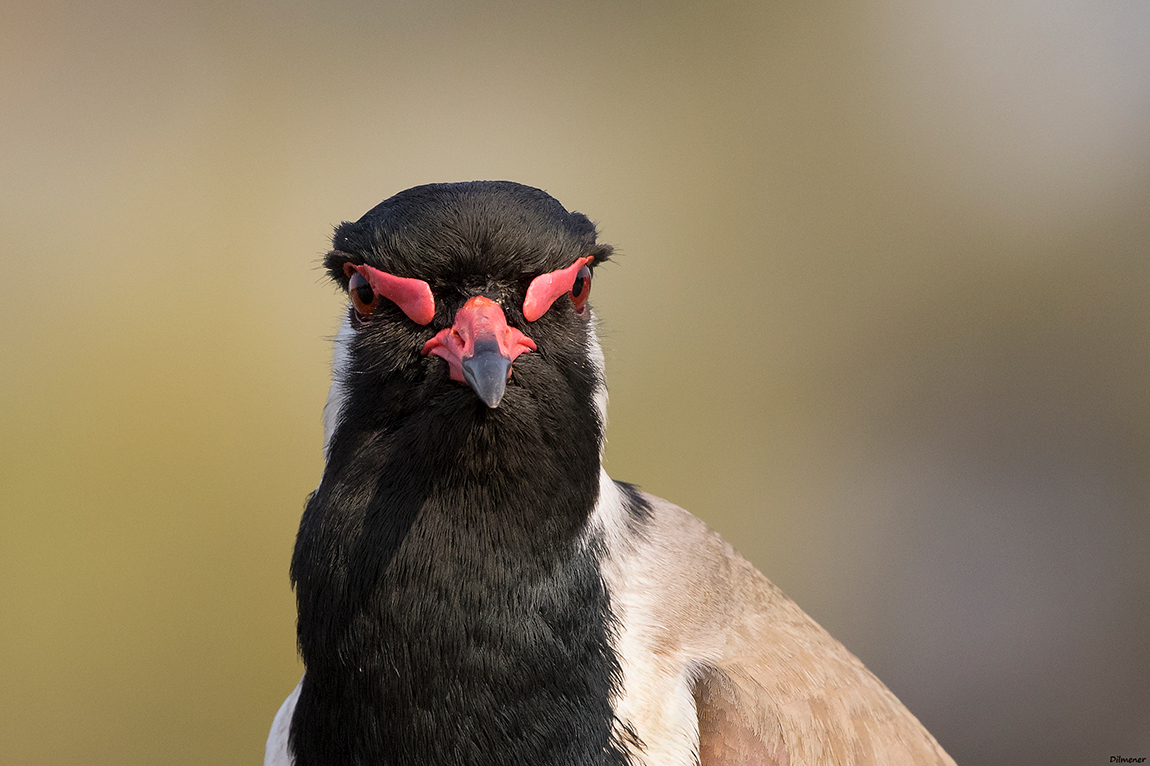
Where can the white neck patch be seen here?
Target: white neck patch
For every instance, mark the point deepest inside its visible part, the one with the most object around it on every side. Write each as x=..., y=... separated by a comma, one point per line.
x=337, y=394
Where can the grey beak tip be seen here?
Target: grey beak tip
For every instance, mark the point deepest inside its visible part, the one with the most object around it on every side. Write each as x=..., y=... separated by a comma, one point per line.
x=486, y=372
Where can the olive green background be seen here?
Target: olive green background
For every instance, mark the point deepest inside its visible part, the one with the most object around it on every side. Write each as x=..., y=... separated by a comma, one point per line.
x=879, y=315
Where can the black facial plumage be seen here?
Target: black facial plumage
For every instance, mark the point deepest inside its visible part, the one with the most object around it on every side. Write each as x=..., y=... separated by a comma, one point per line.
x=451, y=607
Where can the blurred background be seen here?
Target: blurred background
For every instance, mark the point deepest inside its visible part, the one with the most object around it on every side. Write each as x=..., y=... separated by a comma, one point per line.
x=879, y=315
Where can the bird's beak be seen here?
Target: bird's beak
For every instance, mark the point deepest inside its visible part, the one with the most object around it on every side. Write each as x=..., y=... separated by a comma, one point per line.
x=480, y=347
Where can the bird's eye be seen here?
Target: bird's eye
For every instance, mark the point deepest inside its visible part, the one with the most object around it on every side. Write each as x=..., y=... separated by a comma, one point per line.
x=363, y=299
x=581, y=289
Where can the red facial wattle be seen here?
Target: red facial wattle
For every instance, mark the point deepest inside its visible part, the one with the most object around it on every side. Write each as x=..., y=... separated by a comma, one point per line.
x=479, y=348
x=413, y=296
x=546, y=288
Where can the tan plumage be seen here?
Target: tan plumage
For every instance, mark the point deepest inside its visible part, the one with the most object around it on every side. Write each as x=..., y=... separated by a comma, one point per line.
x=710, y=645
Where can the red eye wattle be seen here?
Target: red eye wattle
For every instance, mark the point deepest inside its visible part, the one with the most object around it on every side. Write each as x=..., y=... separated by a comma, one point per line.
x=368, y=286
x=363, y=298
x=545, y=289
x=581, y=289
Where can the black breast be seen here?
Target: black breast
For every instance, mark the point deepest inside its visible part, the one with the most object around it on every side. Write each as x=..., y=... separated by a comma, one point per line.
x=450, y=611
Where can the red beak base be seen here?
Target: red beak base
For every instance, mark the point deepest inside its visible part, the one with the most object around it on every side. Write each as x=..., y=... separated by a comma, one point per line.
x=480, y=347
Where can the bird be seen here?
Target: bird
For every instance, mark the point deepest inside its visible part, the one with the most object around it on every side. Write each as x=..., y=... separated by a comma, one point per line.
x=473, y=588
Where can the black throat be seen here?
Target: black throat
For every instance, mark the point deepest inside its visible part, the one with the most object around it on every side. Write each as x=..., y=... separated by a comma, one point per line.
x=451, y=610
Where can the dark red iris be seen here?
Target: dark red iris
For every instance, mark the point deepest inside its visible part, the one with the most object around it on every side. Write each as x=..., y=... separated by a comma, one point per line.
x=363, y=298
x=581, y=289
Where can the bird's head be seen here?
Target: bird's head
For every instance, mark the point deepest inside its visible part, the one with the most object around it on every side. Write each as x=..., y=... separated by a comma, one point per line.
x=467, y=303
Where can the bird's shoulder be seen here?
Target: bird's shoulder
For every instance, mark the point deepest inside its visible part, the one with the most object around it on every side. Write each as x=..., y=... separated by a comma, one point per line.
x=705, y=635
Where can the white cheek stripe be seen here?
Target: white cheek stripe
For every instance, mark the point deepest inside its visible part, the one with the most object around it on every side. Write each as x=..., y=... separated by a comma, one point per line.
x=337, y=394
x=599, y=363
